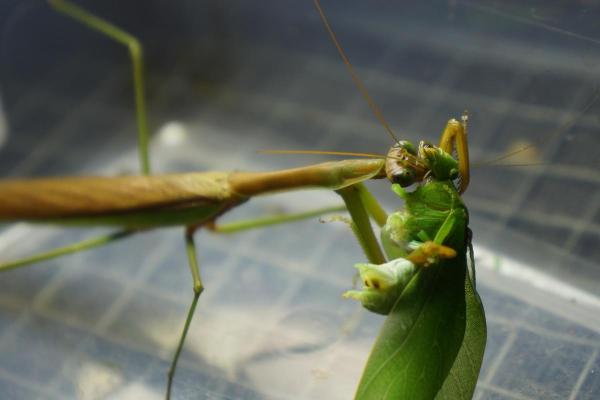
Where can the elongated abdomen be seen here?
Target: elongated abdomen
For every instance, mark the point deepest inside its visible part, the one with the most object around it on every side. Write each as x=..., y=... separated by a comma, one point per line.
x=123, y=200
x=151, y=201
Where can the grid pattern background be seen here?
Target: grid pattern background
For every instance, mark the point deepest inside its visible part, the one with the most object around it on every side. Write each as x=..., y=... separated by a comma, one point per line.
x=271, y=324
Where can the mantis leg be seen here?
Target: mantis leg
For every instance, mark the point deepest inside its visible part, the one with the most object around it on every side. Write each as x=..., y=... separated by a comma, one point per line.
x=198, y=288
x=269, y=220
x=434, y=250
x=69, y=249
x=372, y=207
x=354, y=197
x=359, y=202
x=232, y=227
x=446, y=229
x=455, y=135
x=371, y=204
x=135, y=51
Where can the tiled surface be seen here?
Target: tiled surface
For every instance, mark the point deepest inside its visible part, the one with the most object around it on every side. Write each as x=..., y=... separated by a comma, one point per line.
x=271, y=323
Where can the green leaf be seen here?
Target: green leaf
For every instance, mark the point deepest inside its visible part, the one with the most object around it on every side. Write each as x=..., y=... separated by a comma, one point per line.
x=432, y=342
x=462, y=378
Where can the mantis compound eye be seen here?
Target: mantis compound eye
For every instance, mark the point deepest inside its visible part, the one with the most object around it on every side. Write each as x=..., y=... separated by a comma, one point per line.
x=404, y=177
x=406, y=145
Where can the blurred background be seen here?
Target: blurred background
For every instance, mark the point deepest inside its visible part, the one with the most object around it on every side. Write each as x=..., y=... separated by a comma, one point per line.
x=228, y=78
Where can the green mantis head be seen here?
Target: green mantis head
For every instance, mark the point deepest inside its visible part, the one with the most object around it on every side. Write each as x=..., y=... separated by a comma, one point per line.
x=441, y=164
x=407, y=165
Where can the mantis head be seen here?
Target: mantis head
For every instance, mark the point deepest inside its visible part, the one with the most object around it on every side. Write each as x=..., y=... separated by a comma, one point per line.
x=406, y=165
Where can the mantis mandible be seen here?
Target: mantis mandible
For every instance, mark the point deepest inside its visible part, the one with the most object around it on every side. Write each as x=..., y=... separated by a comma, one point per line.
x=196, y=200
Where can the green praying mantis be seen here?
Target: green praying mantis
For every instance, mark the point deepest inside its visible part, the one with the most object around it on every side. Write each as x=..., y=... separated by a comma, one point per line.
x=421, y=275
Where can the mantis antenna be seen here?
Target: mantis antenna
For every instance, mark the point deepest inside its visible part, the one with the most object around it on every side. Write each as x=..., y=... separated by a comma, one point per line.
x=357, y=81
x=324, y=152
x=338, y=153
x=558, y=132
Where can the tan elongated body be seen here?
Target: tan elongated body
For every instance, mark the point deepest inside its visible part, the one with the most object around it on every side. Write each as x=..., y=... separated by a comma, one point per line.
x=81, y=196
x=193, y=197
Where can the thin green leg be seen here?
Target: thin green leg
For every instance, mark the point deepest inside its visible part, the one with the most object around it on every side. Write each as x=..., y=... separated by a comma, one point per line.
x=198, y=288
x=371, y=204
x=244, y=225
x=136, y=53
x=361, y=225
x=69, y=249
x=446, y=228
x=359, y=202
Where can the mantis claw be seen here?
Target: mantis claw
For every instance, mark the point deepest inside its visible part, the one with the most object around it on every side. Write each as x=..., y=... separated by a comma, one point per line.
x=430, y=253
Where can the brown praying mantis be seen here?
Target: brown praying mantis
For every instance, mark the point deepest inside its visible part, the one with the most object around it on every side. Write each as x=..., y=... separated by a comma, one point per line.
x=197, y=199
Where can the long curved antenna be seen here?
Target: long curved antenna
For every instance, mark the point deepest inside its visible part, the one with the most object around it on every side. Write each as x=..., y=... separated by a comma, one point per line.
x=550, y=28
x=405, y=156
x=526, y=21
x=486, y=165
x=558, y=132
x=324, y=152
x=357, y=81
